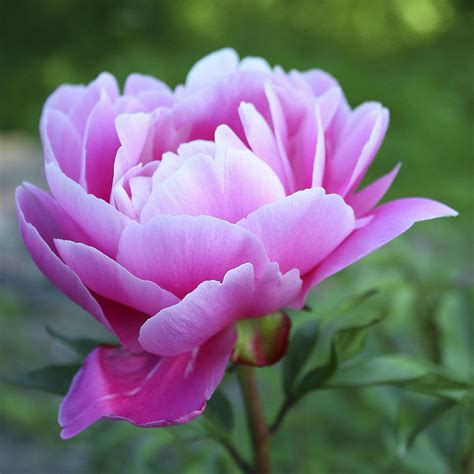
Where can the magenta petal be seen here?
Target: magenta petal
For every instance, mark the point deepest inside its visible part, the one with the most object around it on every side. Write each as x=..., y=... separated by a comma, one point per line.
x=98, y=219
x=302, y=229
x=364, y=200
x=212, y=306
x=389, y=221
x=100, y=148
x=36, y=210
x=106, y=277
x=179, y=252
x=143, y=389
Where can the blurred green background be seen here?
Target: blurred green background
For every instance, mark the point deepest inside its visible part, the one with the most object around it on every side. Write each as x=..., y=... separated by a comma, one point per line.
x=415, y=56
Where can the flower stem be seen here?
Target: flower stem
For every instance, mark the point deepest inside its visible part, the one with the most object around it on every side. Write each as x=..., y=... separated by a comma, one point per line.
x=255, y=419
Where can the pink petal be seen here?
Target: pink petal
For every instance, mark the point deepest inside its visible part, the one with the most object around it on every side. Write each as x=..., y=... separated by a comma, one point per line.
x=213, y=306
x=302, y=229
x=61, y=142
x=230, y=186
x=100, y=221
x=137, y=83
x=105, y=83
x=65, y=98
x=179, y=252
x=100, y=148
x=106, y=277
x=363, y=201
x=143, y=389
x=262, y=142
x=41, y=220
x=389, y=221
x=211, y=67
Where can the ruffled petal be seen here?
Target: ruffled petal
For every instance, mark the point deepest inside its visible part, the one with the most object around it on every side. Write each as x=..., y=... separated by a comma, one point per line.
x=180, y=252
x=143, y=389
x=213, y=306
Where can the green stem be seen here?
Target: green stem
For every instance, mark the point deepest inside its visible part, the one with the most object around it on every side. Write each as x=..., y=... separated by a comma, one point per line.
x=255, y=419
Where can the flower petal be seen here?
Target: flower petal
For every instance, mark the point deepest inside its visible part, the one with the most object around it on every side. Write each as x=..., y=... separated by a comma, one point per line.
x=302, y=229
x=102, y=223
x=106, y=277
x=179, y=252
x=41, y=220
x=389, y=221
x=143, y=389
x=213, y=306
x=364, y=200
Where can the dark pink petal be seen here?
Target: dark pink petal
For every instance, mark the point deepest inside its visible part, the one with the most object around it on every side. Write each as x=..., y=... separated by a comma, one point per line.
x=61, y=142
x=302, y=229
x=40, y=222
x=389, y=221
x=100, y=148
x=179, y=252
x=107, y=278
x=100, y=221
x=213, y=306
x=143, y=389
x=364, y=200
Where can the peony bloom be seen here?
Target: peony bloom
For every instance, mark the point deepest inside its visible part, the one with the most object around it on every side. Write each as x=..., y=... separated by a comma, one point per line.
x=174, y=214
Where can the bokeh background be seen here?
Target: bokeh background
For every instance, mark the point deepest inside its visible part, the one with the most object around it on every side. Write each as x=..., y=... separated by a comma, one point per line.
x=415, y=56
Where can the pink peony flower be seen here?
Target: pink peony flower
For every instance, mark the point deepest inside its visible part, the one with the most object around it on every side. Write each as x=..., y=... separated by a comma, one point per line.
x=173, y=214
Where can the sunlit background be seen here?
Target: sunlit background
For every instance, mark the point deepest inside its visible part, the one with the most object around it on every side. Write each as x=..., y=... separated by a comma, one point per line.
x=415, y=56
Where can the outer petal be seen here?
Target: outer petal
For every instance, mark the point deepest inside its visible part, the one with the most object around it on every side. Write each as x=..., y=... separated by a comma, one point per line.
x=213, y=306
x=179, y=252
x=363, y=201
x=143, y=389
x=302, y=229
x=102, y=223
x=106, y=277
x=389, y=221
x=37, y=212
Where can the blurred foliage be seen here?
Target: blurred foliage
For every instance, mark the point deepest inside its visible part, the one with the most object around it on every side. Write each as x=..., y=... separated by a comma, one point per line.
x=416, y=57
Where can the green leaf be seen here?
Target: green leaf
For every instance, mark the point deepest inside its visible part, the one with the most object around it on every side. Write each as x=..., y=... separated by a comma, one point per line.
x=301, y=346
x=262, y=341
x=316, y=378
x=350, y=340
x=219, y=411
x=82, y=346
x=52, y=379
x=412, y=425
x=401, y=371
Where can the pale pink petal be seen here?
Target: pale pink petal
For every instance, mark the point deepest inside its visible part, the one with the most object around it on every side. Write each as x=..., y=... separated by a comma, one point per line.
x=213, y=306
x=40, y=222
x=389, y=221
x=143, y=389
x=179, y=252
x=65, y=98
x=137, y=83
x=211, y=67
x=100, y=221
x=61, y=142
x=106, y=277
x=105, y=83
x=329, y=103
x=253, y=63
x=100, y=148
x=364, y=200
x=302, y=229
